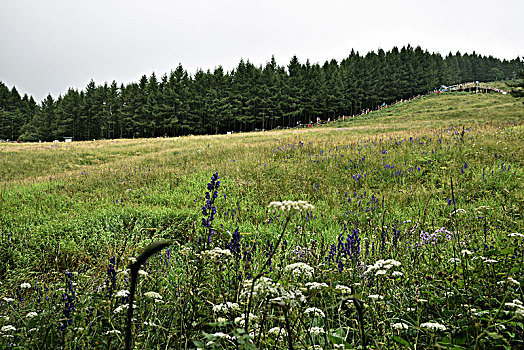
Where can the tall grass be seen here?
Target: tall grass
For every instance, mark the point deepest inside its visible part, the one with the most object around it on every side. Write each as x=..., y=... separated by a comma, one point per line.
x=415, y=240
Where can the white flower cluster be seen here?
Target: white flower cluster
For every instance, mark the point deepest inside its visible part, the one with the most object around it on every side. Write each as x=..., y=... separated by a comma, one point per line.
x=400, y=325
x=122, y=308
x=317, y=330
x=216, y=253
x=511, y=280
x=241, y=320
x=315, y=311
x=8, y=328
x=25, y=285
x=31, y=314
x=433, y=326
x=277, y=330
x=300, y=270
x=316, y=285
x=122, y=293
x=225, y=307
x=123, y=273
x=223, y=335
x=516, y=234
x=485, y=260
x=291, y=207
x=263, y=286
x=375, y=297
x=343, y=289
x=382, y=267
x=153, y=295
x=517, y=304
x=458, y=211
x=289, y=297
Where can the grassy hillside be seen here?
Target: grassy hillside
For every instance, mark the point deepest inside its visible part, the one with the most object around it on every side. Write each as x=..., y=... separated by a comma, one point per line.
x=435, y=184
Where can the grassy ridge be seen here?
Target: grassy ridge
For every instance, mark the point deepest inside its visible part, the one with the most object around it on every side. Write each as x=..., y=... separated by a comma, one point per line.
x=386, y=175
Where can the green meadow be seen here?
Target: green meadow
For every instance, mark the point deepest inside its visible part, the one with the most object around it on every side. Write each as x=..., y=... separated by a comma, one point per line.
x=416, y=239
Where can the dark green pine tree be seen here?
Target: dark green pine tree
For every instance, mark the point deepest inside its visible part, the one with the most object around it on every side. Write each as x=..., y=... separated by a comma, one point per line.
x=67, y=116
x=178, y=99
x=293, y=88
x=518, y=88
x=129, y=118
x=42, y=126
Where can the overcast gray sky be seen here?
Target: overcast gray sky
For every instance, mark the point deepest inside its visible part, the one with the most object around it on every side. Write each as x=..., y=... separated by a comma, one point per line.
x=47, y=46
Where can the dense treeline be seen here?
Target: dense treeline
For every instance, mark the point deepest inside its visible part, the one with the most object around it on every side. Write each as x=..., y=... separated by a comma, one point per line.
x=247, y=98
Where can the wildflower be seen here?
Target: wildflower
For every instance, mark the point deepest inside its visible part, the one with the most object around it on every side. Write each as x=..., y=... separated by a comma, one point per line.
x=381, y=265
x=513, y=281
x=516, y=234
x=316, y=285
x=122, y=293
x=458, y=211
x=491, y=261
x=466, y=252
x=8, y=300
x=132, y=259
x=380, y=272
x=300, y=269
x=434, y=326
x=375, y=297
x=216, y=253
x=317, y=330
x=241, y=320
x=150, y=323
x=410, y=309
x=153, y=295
x=315, y=311
x=263, y=286
x=277, y=330
x=142, y=273
x=119, y=309
x=397, y=274
x=114, y=331
x=343, y=289
x=454, y=260
x=400, y=325
x=517, y=304
x=223, y=335
x=288, y=297
x=122, y=307
x=339, y=346
x=124, y=273
x=8, y=328
x=221, y=319
x=226, y=307
x=31, y=314
x=25, y=285
x=291, y=208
